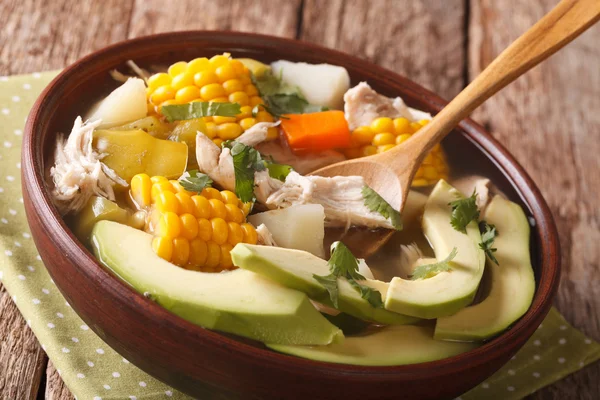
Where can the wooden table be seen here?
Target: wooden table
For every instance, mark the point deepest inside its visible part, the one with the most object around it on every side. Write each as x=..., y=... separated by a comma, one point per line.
x=549, y=119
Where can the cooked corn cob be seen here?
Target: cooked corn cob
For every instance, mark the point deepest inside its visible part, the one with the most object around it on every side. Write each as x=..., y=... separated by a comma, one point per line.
x=385, y=133
x=219, y=79
x=192, y=230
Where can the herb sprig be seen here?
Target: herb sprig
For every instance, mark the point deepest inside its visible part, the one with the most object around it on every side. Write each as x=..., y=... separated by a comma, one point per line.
x=425, y=271
x=488, y=235
x=375, y=203
x=463, y=212
x=343, y=264
x=195, y=181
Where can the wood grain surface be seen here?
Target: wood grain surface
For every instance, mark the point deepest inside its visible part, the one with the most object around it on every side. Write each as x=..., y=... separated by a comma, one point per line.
x=549, y=118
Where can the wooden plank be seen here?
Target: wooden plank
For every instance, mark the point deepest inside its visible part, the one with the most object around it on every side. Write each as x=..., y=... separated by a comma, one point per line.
x=44, y=35
x=55, y=387
x=422, y=40
x=22, y=360
x=549, y=120
x=259, y=16
x=40, y=36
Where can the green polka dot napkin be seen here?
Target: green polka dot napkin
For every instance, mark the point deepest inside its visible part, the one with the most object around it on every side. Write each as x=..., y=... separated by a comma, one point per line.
x=93, y=371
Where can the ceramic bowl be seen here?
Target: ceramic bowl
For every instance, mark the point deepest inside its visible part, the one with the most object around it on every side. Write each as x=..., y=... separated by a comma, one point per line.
x=208, y=364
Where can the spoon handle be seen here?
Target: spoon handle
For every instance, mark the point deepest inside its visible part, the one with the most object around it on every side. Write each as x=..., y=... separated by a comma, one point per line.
x=561, y=25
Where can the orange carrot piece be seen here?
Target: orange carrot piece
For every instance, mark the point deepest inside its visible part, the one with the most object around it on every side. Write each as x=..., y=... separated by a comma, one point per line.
x=316, y=132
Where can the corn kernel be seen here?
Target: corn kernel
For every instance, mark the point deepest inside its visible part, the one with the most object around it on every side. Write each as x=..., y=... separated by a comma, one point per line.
x=204, y=78
x=229, y=197
x=204, y=229
x=138, y=220
x=251, y=90
x=238, y=66
x=382, y=125
x=382, y=139
x=428, y=160
x=158, y=188
x=187, y=94
x=211, y=130
x=424, y=122
x=158, y=80
x=419, y=173
x=177, y=68
x=225, y=72
x=222, y=99
x=402, y=138
x=219, y=230
x=158, y=179
x=247, y=207
x=272, y=133
x=211, y=193
x=169, y=225
x=197, y=65
x=222, y=120
x=218, y=60
x=245, y=79
x=201, y=207
x=239, y=97
x=420, y=182
x=166, y=103
x=368, y=150
x=162, y=94
x=233, y=85
x=363, y=135
x=213, y=256
x=415, y=126
x=385, y=147
x=198, y=252
x=236, y=233
x=141, y=187
x=430, y=173
x=182, y=80
x=181, y=251
x=402, y=125
x=247, y=123
x=217, y=208
x=255, y=101
x=211, y=91
x=234, y=213
x=226, y=262
x=263, y=116
x=229, y=131
x=167, y=202
x=245, y=112
x=163, y=247
x=189, y=226
x=250, y=235
x=218, y=141
x=186, y=205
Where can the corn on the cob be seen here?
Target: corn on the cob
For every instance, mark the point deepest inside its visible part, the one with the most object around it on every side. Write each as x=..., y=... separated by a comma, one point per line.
x=385, y=133
x=192, y=230
x=219, y=79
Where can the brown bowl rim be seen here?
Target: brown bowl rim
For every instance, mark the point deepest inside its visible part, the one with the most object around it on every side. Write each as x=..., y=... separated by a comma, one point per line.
x=549, y=248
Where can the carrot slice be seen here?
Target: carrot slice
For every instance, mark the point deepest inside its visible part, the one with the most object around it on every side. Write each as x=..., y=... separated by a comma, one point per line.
x=316, y=132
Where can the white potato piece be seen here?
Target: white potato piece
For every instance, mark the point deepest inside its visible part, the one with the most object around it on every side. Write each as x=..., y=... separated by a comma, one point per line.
x=300, y=227
x=124, y=104
x=321, y=84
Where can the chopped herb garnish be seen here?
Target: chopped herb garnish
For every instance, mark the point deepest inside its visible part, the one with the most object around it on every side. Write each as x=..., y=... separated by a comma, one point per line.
x=246, y=161
x=195, y=181
x=198, y=109
x=343, y=264
x=463, y=212
x=282, y=98
x=375, y=203
x=257, y=108
x=488, y=235
x=428, y=270
x=278, y=171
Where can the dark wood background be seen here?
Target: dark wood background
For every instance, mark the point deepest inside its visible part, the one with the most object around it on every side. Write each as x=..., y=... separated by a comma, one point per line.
x=549, y=119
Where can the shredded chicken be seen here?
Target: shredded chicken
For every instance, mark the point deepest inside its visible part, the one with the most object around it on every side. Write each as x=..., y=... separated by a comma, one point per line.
x=302, y=164
x=78, y=173
x=409, y=256
x=121, y=77
x=362, y=105
x=265, y=237
x=256, y=134
x=481, y=185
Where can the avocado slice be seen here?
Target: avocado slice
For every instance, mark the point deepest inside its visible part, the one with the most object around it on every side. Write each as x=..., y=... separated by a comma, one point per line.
x=447, y=292
x=295, y=268
x=392, y=345
x=512, y=282
x=238, y=302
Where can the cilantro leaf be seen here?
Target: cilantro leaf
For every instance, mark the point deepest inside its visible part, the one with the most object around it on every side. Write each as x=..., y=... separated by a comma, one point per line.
x=278, y=171
x=195, y=181
x=375, y=203
x=425, y=271
x=463, y=212
x=198, y=109
x=488, y=235
x=281, y=97
x=343, y=264
x=246, y=161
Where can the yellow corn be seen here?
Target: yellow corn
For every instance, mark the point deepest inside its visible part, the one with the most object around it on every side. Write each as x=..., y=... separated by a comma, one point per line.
x=195, y=231
x=385, y=133
x=219, y=79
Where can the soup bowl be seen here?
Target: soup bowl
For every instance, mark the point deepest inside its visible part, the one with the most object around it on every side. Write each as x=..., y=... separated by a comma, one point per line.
x=208, y=364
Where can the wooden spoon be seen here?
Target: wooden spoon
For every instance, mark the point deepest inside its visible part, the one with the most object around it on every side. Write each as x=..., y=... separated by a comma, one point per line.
x=391, y=173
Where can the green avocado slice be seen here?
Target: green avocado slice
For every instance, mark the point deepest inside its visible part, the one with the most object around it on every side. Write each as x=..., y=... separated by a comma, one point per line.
x=512, y=282
x=447, y=292
x=238, y=302
x=295, y=269
x=392, y=345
